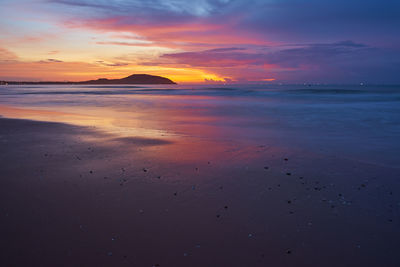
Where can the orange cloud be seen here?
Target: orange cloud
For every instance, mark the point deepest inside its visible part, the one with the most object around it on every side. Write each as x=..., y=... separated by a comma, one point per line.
x=6, y=55
x=50, y=71
x=54, y=70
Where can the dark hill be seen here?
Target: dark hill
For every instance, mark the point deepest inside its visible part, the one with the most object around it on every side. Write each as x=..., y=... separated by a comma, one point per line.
x=133, y=79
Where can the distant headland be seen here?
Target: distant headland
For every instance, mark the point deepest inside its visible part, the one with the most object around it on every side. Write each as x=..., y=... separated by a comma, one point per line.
x=132, y=79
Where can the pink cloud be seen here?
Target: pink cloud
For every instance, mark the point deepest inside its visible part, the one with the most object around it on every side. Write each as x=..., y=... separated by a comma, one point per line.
x=173, y=33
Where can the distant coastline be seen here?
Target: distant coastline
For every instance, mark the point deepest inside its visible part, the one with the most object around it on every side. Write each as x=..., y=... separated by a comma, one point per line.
x=132, y=79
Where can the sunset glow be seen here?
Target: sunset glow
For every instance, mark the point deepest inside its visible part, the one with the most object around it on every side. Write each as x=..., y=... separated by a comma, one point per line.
x=223, y=41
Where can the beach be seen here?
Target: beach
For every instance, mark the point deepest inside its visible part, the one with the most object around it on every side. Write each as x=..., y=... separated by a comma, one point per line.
x=199, y=176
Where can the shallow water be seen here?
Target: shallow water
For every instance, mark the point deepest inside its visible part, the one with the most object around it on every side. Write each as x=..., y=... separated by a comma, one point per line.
x=357, y=122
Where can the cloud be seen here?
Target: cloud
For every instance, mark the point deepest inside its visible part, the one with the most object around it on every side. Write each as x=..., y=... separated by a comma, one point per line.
x=225, y=57
x=117, y=64
x=285, y=56
x=50, y=60
x=270, y=20
x=193, y=8
x=317, y=54
x=53, y=52
x=46, y=71
x=345, y=60
x=126, y=43
x=170, y=33
x=7, y=55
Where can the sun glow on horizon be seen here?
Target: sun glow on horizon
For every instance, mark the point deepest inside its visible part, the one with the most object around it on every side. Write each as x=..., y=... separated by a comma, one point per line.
x=218, y=41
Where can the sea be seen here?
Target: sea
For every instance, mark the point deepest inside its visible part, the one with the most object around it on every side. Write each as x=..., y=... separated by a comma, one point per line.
x=360, y=122
x=202, y=175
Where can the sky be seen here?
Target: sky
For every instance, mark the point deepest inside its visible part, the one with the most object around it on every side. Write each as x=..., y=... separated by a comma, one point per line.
x=202, y=41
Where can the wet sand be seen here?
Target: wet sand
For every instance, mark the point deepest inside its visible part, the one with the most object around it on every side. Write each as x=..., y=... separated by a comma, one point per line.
x=77, y=196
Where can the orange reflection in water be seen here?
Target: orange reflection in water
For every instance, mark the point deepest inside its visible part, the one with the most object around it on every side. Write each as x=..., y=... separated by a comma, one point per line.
x=160, y=116
x=195, y=133
x=104, y=119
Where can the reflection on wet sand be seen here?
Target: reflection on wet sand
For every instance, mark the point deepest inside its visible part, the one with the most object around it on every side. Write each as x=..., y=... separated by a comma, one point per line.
x=101, y=119
x=114, y=201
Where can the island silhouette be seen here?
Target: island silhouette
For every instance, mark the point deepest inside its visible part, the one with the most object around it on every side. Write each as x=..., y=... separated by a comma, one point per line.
x=132, y=79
